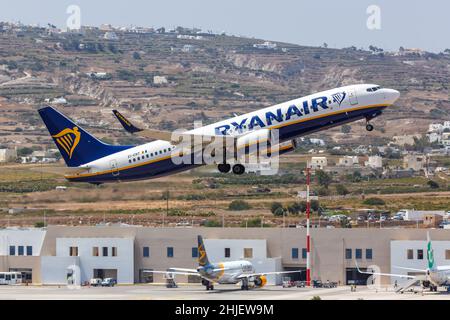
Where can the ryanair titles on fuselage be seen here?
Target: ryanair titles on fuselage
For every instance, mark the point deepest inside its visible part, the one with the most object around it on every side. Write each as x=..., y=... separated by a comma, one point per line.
x=277, y=116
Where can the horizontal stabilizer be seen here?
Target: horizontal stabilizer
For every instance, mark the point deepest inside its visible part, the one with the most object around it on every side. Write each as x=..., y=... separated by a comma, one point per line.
x=60, y=170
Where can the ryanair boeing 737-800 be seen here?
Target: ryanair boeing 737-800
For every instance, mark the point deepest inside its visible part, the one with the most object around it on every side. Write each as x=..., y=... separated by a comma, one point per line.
x=90, y=160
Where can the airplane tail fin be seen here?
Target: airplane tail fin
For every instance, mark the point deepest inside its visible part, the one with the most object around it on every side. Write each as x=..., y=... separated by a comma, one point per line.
x=202, y=256
x=430, y=253
x=76, y=145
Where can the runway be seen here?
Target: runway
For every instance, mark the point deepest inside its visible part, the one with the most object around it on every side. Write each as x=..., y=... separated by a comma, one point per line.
x=197, y=292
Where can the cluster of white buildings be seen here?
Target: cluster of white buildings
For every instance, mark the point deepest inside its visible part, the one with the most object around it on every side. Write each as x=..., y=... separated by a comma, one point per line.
x=373, y=162
x=440, y=133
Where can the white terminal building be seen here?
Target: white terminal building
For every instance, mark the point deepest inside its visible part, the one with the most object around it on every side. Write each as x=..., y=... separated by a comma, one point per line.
x=57, y=255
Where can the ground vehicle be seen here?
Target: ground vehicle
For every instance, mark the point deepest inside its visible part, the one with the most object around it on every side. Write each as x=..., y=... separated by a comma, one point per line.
x=288, y=284
x=10, y=278
x=361, y=218
x=329, y=284
x=317, y=284
x=109, y=282
x=95, y=282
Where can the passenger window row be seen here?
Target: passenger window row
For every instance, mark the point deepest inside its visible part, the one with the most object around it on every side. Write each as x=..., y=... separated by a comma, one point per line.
x=147, y=155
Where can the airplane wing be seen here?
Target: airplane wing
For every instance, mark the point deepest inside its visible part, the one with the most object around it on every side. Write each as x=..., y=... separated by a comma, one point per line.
x=386, y=274
x=176, y=272
x=412, y=269
x=246, y=275
x=183, y=270
x=443, y=268
x=167, y=135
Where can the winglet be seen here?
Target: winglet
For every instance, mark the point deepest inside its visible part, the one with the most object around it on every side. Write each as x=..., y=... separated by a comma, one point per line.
x=127, y=125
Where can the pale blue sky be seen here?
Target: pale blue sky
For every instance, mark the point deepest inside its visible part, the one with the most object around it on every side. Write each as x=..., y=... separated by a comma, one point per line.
x=340, y=23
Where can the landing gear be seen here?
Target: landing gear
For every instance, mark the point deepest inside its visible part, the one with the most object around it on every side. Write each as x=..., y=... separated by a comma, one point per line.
x=369, y=127
x=208, y=285
x=224, y=167
x=238, y=169
x=244, y=285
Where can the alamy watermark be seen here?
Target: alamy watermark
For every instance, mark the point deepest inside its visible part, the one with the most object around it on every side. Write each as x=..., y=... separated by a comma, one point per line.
x=374, y=19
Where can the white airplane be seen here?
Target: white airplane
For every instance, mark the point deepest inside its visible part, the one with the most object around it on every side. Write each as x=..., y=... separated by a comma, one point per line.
x=433, y=276
x=93, y=161
x=229, y=272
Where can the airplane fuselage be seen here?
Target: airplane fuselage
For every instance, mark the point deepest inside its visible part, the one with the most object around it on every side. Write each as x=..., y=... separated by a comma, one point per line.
x=226, y=272
x=293, y=119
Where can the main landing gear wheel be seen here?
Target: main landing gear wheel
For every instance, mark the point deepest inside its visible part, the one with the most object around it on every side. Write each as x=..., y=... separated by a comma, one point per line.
x=369, y=127
x=209, y=287
x=238, y=169
x=224, y=167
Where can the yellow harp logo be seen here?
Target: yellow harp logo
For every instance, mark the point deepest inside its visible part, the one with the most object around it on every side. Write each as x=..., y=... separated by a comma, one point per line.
x=68, y=139
x=202, y=254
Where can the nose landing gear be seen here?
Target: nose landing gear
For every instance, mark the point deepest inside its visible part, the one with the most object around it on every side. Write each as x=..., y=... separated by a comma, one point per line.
x=369, y=127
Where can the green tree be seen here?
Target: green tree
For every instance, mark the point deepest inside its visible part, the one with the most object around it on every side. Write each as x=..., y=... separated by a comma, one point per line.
x=274, y=206
x=136, y=56
x=433, y=184
x=295, y=208
x=324, y=179
x=279, y=212
x=24, y=151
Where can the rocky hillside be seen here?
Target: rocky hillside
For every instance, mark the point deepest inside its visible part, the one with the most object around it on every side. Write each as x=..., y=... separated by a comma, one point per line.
x=167, y=81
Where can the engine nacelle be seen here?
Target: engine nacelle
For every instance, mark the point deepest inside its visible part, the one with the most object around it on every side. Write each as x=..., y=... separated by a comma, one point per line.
x=253, y=139
x=260, y=281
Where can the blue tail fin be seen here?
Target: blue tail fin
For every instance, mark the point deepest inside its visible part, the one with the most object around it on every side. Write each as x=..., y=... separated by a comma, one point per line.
x=76, y=145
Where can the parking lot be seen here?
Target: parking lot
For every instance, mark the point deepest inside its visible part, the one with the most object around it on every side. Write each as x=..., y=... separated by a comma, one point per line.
x=197, y=292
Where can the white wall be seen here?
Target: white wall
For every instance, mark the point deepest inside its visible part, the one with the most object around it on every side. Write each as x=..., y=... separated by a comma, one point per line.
x=123, y=262
x=21, y=237
x=399, y=256
x=54, y=269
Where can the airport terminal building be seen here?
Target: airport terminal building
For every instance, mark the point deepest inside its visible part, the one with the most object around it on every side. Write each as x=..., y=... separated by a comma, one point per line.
x=52, y=256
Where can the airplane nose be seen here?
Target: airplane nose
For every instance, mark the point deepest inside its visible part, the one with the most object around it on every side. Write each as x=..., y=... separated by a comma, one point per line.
x=392, y=95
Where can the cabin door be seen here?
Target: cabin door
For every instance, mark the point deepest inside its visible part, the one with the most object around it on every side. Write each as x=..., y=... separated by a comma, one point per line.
x=352, y=97
x=114, y=168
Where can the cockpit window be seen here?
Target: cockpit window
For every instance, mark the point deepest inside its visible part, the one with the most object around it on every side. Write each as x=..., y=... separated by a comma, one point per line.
x=373, y=89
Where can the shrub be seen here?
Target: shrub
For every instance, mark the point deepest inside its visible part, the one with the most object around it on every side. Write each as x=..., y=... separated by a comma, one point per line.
x=296, y=207
x=279, y=212
x=374, y=202
x=323, y=192
x=341, y=190
x=213, y=224
x=274, y=206
x=433, y=184
x=239, y=205
x=39, y=224
x=136, y=56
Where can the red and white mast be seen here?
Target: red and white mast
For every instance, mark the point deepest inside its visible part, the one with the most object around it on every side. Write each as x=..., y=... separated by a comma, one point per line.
x=308, y=239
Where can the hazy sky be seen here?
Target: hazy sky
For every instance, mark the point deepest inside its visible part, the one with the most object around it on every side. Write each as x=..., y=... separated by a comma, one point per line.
x=340, y=23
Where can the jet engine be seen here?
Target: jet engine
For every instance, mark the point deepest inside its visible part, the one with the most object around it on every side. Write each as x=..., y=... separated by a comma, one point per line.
x=260, y=281
x=252, y=140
